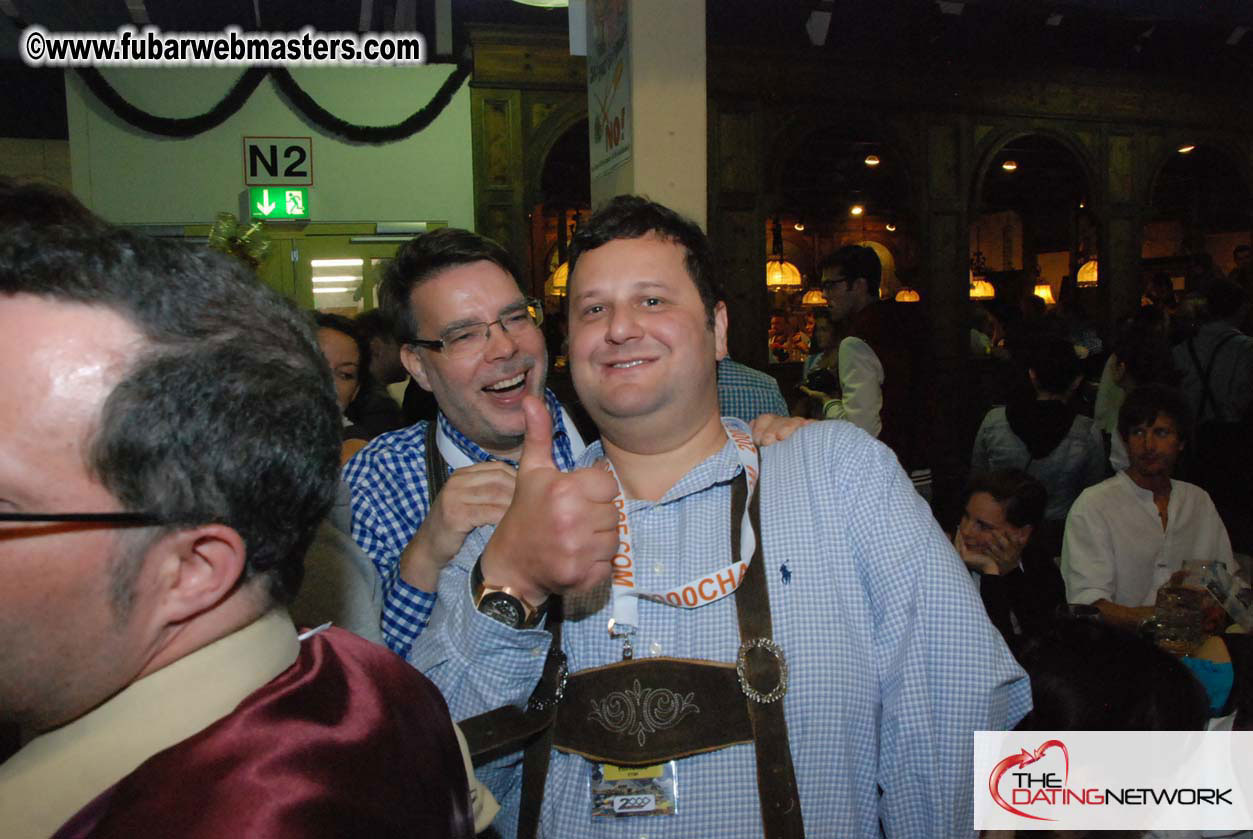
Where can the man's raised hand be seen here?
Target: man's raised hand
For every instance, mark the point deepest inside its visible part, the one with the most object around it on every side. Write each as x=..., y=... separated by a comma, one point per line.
x=473, y=496
x=561, y=529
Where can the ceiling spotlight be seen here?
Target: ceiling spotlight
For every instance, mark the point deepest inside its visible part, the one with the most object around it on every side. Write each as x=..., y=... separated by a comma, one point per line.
x=1185, y=149
x=1082, y=205
x=1010, y=165
x=856, y=210
x=799, y=227
x=872, y=160
x=890, y=227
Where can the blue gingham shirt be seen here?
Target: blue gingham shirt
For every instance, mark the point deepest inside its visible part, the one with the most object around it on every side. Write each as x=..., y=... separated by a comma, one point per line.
x=893, y=662
x=391, y=499
x=744, y=392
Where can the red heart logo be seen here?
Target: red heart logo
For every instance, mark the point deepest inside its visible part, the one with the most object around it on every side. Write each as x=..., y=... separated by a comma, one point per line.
x=1025, y=758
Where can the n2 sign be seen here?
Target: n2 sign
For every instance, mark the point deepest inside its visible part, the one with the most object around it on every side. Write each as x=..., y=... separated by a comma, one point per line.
x=278, y=161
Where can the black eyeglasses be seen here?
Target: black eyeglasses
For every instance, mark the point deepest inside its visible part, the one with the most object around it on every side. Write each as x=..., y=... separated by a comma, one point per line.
x=138, y=519
x=469, y=339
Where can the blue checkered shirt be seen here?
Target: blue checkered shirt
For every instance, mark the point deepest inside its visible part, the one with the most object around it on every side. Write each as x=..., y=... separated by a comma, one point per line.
x=391, y=499
x=893, y=662
x=744, y=392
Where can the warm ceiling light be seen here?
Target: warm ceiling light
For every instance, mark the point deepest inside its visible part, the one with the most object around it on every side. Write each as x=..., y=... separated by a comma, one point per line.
x=1010, y=165
x=1185, y=149
x=981, y=289
x=1044, y=291
x=856, y=210
x=890, y=227
x=557, y=282
x=1081, y=205
x=799, y=226
x=908, y=295
x=814, y=297
x=1088, y=274
x=872, y=160
x=782, y=274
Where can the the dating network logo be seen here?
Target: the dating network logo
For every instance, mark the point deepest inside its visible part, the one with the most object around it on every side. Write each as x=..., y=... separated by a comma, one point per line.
x=1023, y=780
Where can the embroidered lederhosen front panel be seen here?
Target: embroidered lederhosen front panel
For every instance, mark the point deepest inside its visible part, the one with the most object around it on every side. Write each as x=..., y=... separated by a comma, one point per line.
x=639, y=713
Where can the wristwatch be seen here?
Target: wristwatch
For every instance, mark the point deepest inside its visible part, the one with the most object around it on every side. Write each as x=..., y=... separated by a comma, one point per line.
x=502, y=603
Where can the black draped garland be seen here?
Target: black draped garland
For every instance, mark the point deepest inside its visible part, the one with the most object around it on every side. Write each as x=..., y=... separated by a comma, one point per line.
x=292, y=92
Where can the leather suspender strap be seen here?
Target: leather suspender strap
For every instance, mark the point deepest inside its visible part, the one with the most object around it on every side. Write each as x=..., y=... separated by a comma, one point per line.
x=763, y=680
x=538, y=753
x=776, y=778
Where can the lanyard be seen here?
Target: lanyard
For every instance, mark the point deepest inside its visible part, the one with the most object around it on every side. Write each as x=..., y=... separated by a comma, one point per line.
x=690, y=595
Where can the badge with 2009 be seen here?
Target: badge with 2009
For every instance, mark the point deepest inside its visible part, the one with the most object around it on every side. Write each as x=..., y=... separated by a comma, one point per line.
x=622, y=791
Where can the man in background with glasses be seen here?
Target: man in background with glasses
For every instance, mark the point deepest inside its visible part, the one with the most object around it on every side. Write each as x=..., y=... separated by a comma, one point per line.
x=168, y=444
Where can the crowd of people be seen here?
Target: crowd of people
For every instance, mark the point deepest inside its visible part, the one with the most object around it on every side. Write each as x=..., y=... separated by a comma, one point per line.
x=708, y=581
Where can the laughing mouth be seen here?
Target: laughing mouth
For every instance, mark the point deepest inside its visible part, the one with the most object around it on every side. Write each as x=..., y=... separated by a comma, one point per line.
x=626, y=365
x=506, y=385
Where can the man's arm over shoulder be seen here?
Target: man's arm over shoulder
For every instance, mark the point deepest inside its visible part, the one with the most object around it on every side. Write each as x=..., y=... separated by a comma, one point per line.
x=943, y=670
x=861, y=387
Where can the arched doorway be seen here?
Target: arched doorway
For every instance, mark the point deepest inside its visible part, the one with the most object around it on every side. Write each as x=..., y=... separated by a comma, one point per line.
x=1034, y=232
x=837, y=185
x=563, y=200
x=1198, y=214
x=562, y=203
x=1033, y=226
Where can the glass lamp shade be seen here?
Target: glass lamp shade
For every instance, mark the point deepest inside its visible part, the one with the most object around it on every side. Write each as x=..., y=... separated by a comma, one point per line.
x=556, y=284
x=982, y=290
x=782, y=274
x=908, y=295
x=814, y=297
x=1087, y=276
x=1044, y=291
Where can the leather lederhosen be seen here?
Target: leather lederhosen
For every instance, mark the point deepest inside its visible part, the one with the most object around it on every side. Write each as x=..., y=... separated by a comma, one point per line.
x=646, y=711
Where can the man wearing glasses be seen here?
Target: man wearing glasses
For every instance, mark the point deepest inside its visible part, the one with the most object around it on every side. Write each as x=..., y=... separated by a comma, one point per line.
x=168, y=445
x=472, y=338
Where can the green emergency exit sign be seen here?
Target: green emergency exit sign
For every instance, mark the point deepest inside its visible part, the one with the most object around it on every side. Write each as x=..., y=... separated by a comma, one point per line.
x=282, y=203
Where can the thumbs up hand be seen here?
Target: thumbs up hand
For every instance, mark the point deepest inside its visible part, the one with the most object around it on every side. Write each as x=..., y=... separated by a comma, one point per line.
x=561, y=529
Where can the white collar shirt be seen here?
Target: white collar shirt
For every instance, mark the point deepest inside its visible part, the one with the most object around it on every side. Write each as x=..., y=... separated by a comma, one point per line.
x=1115, y=548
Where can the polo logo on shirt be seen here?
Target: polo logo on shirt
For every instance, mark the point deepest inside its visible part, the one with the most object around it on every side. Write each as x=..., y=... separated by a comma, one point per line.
x=785, y=573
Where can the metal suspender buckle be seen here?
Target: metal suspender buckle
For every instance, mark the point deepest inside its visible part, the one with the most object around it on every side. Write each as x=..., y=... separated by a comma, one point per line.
x=760, y=668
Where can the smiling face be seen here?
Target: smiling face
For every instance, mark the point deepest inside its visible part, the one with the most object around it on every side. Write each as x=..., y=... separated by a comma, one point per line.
x=482, y=394
x=642, y=352
x=64, y=646
x=1152, y=449
x=983, y=519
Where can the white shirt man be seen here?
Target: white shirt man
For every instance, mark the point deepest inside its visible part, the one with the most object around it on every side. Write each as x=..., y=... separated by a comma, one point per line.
x=1128, y=534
